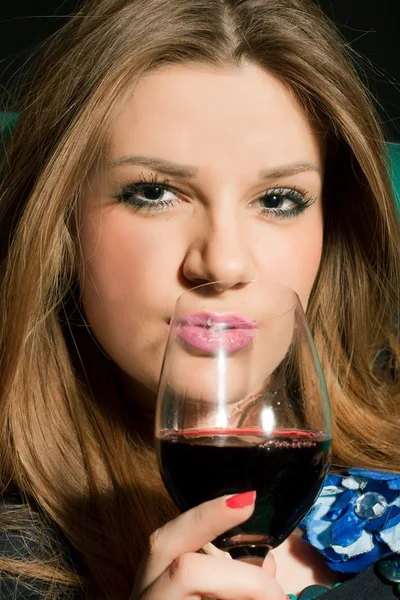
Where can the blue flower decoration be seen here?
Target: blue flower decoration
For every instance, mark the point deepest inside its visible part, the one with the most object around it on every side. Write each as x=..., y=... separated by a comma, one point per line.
x=355, y=521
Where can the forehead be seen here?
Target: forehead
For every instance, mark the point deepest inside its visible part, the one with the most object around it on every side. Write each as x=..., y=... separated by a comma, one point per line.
x=195, y=113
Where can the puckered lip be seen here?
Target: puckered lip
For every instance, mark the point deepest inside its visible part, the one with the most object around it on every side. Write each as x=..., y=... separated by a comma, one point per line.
x=211, y=332
x=208, y=320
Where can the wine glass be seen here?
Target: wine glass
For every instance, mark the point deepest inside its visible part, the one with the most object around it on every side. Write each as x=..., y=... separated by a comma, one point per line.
x=242, y=405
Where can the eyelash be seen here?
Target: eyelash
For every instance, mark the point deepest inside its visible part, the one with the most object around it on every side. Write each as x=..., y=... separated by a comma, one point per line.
x=296, y=195
x=126, y=193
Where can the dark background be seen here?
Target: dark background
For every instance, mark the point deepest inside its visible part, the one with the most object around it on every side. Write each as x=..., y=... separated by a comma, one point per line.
x=370, y=26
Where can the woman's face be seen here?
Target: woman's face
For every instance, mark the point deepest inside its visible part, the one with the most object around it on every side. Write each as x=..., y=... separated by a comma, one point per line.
x=212, y=175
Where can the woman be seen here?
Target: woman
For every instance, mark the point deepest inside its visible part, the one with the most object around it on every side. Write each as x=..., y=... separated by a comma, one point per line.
x=163, y=145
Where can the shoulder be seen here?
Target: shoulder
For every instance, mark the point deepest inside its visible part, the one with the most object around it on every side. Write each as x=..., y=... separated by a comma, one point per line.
x=31, y=546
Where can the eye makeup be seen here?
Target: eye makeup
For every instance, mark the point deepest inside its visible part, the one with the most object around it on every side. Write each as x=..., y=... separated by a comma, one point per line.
x=147, y=195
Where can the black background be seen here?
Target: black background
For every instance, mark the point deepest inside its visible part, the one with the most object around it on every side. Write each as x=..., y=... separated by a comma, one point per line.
x=370, y=26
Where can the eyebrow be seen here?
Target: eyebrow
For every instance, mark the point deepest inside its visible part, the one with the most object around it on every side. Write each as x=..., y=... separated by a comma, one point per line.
x=158, y=164
x=287, y=170
x=186, y=171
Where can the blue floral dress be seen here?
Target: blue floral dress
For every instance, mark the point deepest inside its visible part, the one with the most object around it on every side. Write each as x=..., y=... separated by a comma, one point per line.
x=355, y=525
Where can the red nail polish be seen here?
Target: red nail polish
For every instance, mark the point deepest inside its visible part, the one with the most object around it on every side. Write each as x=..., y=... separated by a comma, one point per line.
x=241, y=500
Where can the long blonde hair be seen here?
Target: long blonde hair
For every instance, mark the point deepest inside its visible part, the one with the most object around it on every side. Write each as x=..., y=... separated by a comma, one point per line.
x=66, y=440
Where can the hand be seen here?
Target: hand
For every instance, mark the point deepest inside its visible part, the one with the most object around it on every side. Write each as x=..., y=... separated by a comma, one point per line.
x=173, y=570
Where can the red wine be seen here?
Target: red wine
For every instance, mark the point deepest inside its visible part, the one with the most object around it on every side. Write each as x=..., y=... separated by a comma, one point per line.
x=286, y=470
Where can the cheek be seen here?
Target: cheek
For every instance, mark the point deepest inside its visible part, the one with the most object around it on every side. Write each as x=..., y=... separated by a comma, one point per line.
x=126, y=289
x=125, y=262
x=111, y=263
x=292, y=255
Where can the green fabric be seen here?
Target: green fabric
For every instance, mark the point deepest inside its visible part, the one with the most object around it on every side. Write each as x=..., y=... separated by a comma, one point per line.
x=9, y=120
x=394, y=169
x=7, y=123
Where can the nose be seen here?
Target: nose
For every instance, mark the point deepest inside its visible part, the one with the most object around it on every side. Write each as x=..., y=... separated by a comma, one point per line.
x=219, y=250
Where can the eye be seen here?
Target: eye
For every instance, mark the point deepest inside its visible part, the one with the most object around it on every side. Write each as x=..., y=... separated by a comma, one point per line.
x=148, y=195
x=284, y=202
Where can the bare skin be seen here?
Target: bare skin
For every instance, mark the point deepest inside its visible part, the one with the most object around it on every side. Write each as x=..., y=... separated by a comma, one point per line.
x=298, y=565
x=236, y=135
x=174, y=571
x=230, y=140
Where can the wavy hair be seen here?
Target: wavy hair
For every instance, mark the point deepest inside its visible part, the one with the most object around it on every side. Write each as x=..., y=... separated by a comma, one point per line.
x=67, y=441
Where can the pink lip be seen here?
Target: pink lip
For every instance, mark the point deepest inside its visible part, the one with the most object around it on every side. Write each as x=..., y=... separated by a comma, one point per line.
x=201, y=331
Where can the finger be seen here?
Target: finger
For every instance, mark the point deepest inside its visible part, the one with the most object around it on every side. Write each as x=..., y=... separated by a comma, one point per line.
x=192, y=530
x=197, y=575
x=212, y=550
x=269, y=565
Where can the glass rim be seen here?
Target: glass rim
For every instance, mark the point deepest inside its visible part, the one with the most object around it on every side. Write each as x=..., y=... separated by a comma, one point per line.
x=297, y=302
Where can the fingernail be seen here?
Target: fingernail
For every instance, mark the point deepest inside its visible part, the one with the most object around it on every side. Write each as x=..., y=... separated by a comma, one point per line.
x=241, y=500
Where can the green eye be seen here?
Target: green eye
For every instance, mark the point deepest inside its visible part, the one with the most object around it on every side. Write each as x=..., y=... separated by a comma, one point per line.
x=282, y=203
x=148, y=196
